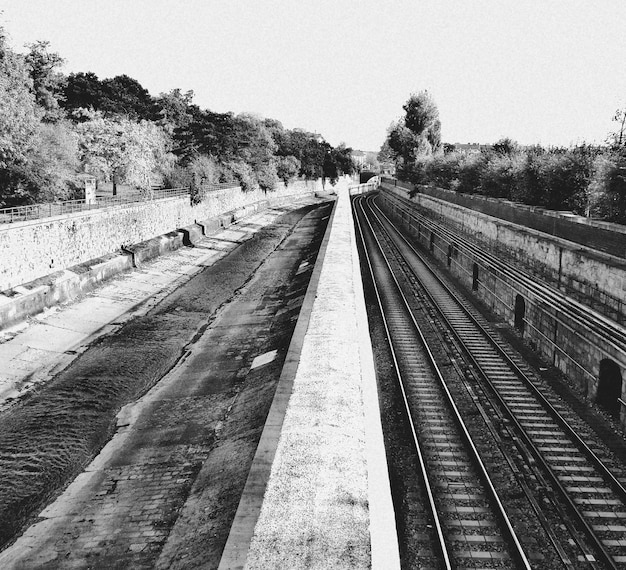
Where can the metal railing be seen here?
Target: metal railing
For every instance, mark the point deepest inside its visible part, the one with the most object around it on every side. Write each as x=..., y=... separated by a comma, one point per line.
x=39, y=211
x=210, y=187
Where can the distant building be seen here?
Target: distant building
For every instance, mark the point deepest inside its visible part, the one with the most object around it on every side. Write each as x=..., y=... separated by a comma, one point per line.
x=358, y=157
x=470, y=148
x=388, y=168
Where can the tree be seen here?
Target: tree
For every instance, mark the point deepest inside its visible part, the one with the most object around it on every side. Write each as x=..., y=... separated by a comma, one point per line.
x=422, y=116
x=48, y=82
x=240, y=172
x=386, y=154
x=267, y=175
x=123, y=95
x=287, y=167
x=618, y=138
x=18, y=109
x=342, y=156
x=307, y=148
x=422, y=119
x=252, y=141
x=206, y=133
x=83, y=91
x=401, y=142
x=505, y=147
x=174, y=110
x=608, y=187
x=49, y=173
x=120, y=96
x=415, y=135
x=121, y=150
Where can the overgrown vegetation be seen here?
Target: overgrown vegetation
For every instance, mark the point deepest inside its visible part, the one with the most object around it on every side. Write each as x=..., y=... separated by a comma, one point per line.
x=588, y=180
x=54, y=127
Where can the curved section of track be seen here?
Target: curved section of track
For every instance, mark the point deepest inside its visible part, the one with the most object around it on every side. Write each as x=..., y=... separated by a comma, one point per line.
x=594, y=496
x=470, y=527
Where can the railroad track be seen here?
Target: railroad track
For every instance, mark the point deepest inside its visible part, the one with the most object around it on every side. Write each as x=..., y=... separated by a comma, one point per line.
x=597, y=323
x=590, y=494
x=470, y=527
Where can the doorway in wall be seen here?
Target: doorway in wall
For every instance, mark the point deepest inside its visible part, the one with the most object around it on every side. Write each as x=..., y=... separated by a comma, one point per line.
x=520, y=313
x=450, y=250
x=609, y=387
x=475, y=277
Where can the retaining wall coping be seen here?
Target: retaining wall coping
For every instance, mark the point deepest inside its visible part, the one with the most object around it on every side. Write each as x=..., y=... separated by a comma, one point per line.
x=608, y=226
x=591, y=253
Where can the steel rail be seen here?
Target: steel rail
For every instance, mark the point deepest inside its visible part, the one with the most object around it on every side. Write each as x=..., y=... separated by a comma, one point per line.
x=620, y=489
x=561, y=421
x=518, y=550
x=594, y=321
x=562, y=308
x=441, y=543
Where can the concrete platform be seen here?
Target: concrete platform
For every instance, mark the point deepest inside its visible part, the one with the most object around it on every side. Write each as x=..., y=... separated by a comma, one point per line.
x=318, y=493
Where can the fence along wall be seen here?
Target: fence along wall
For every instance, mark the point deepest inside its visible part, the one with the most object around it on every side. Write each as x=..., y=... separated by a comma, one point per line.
x=34, y=249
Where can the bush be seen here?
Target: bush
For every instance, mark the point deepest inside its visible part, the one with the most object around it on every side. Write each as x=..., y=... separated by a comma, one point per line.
x=607, y=191
x=470, y=171
x=240, y=172
x=48, y=174
x=443, y=170
x=528, y=187
x=582, y=179
x=556, y=179
x=177, y=176
x=266, y=176
x=498, y=175
x=287, y=168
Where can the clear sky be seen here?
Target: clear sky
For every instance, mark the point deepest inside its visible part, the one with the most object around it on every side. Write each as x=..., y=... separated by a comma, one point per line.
x=538, y=71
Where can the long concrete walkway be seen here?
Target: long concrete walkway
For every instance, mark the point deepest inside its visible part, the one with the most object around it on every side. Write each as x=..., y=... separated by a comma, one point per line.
x=318, y=493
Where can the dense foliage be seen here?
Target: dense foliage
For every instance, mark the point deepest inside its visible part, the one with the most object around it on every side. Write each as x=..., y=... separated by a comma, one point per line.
x=588, y=180
x=54, y=127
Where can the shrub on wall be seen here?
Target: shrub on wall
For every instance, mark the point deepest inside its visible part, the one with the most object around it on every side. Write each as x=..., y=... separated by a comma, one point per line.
x=607, y=191
x=287, y=168
x=499, y=174
x=557, y=178
x=443, y=169
x=267, y=176
x=240, y=172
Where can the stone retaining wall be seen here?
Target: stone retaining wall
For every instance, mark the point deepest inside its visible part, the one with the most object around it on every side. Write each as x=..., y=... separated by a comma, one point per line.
x=33, y=249
x=566, y=343
x=597, y=234
x=598, y=275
